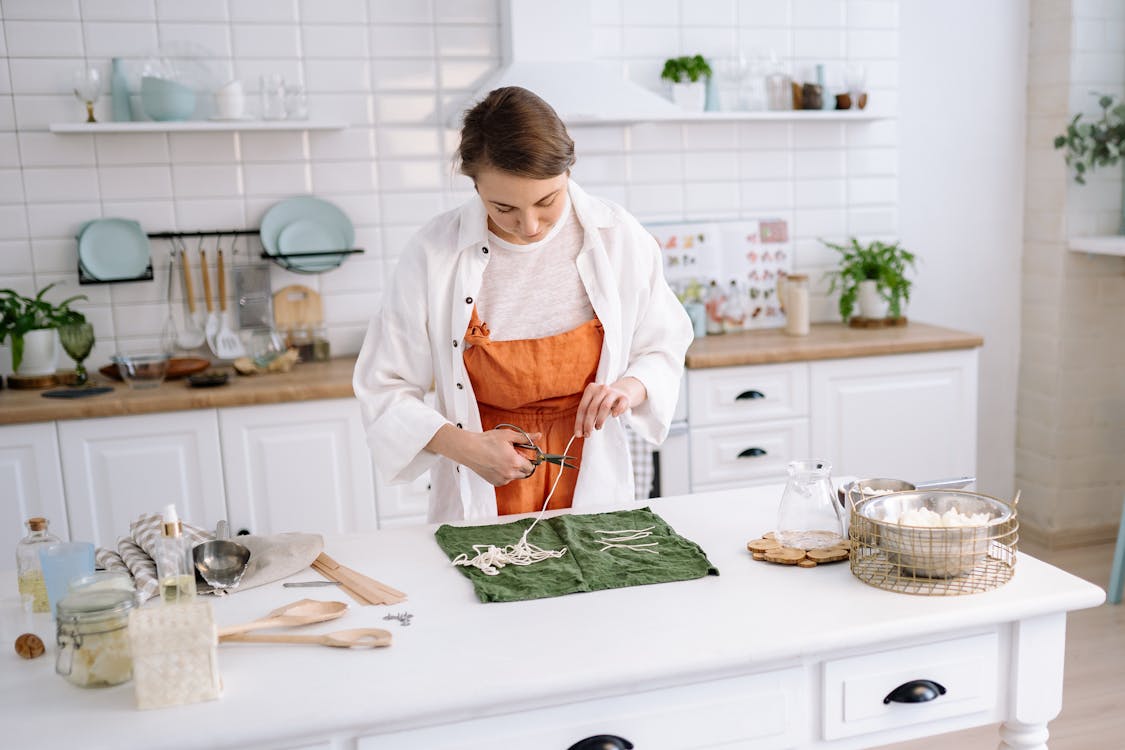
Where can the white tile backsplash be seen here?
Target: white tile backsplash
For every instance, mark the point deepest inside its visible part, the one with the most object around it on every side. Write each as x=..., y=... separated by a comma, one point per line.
x=397, y=73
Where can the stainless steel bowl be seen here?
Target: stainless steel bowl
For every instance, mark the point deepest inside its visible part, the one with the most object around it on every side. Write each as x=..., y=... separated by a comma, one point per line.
x=221, y=562
x=931, y=551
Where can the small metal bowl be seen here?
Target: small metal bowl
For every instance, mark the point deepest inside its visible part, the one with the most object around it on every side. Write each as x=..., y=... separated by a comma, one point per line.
x=931, y=551
x=221, y=562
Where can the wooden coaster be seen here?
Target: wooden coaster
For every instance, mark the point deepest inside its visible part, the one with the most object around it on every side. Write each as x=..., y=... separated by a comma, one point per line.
x=768, y=549
x=31, y=382
x=858, y=322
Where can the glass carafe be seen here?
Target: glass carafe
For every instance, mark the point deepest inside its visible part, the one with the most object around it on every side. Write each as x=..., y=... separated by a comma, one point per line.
x=809, y=516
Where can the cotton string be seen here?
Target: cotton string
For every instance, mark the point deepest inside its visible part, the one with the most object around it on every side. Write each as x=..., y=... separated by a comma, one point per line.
x=627, y=535
x=489, y=559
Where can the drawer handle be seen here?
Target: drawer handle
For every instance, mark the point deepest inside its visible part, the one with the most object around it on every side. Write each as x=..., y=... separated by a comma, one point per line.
x=916, y=691
x=602, y=742
x=752, y=453
x=745, y=395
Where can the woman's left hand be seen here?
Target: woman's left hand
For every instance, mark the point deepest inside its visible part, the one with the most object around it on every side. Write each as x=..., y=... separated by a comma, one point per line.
x=600, y=402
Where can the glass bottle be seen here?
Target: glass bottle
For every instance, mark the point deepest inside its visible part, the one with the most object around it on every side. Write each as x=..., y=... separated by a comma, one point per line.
x=28, y=568
x=175, y=568
x=809, y=516
x=714, y=306
x=734, y=309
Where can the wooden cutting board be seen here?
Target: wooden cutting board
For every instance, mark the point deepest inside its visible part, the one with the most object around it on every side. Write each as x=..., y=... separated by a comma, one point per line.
x=297, y=306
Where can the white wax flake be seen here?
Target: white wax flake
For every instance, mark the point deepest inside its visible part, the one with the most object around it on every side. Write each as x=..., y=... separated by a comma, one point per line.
x=950, y=518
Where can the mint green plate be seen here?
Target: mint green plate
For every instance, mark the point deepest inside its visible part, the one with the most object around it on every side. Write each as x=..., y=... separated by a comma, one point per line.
x=113, y=249
x=317, y=222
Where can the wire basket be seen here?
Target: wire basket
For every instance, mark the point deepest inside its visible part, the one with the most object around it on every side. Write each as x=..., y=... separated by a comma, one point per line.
x=933, y=560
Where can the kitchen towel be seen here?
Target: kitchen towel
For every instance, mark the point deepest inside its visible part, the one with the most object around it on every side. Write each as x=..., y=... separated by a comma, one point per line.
x=586, y=566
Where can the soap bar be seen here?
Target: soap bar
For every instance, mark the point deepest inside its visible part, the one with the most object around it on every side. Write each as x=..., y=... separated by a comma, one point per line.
x=174, y=654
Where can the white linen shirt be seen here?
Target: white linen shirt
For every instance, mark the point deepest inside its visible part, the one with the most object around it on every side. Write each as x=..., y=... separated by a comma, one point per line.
x=417, y=339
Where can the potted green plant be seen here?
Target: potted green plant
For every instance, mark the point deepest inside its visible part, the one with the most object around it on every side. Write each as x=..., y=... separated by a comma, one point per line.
x=688, y=76
x=1098, y=143
x=874, y=275
x=30, y=323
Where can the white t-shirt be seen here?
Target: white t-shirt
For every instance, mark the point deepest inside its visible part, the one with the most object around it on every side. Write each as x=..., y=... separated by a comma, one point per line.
x=533, y=291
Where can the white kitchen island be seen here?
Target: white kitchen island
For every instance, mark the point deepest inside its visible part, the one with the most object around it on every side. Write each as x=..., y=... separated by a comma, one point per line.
x=762, y=656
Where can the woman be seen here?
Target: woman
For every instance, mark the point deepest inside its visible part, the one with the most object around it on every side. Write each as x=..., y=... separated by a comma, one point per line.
x=532, y=305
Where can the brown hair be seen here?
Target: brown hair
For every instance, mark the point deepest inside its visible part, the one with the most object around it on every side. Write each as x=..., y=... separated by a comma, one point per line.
x=517, y=132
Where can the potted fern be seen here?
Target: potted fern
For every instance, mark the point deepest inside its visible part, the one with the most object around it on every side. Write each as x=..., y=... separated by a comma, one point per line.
x=1099, y=142
x=874, y=275
x=688, y=76
x=31, y=323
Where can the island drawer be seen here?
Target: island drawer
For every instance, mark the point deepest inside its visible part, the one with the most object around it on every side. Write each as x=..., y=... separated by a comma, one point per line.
x=856, y=687
x=753, y=712
x=746, y=453
x=734, y=395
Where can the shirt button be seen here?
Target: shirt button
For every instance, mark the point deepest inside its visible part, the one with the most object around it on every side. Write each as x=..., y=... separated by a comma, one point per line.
x=454, y=344
x=484, y=250
x=460, y=387
x=468, y=300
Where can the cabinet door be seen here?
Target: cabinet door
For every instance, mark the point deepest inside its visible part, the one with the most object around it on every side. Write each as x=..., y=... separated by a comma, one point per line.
x=30, y=482
x=118, y=468
x=298, y=467
x=402, y=504
x=910, y=416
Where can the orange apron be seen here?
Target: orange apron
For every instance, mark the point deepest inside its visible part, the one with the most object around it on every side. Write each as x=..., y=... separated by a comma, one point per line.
x=535, y=384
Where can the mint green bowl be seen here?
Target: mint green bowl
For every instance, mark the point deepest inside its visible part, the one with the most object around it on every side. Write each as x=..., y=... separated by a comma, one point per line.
x=166, y=100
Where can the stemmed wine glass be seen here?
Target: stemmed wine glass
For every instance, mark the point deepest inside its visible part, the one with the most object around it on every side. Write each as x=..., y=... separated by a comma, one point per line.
x=87, y=87
x=78, y=339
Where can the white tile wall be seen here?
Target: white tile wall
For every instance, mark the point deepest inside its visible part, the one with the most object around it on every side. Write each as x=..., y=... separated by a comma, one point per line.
x=1069, y=434
x=396, y=71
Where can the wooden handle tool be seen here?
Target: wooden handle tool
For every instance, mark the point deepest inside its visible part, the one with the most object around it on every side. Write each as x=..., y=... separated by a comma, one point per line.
x=189, y=292
x=206, y=281
x=222, y=283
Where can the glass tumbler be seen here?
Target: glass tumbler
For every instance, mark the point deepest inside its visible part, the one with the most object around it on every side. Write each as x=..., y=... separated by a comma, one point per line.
x=272, y=89
x=809, y=517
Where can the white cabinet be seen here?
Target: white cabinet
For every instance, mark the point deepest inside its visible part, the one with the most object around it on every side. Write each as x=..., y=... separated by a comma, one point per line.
x=300, y=466
x=118, y=468
x=910, y=416
x=30, y=483
x=746, y=423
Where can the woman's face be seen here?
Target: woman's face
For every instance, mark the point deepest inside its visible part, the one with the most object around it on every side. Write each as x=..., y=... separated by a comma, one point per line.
x=521, y=210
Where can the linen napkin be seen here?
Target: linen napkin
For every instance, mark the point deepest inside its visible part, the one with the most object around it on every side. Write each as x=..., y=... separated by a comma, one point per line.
x=587, y=564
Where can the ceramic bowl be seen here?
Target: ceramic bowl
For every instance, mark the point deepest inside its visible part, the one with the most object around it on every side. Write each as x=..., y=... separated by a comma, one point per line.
x=166, y=100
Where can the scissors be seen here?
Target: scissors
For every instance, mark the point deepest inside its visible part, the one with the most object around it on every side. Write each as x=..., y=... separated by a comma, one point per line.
x=552, y=458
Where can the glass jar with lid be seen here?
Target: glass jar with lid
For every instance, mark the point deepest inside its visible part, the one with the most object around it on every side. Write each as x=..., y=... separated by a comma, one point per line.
x=93, y=637
x=29, y=570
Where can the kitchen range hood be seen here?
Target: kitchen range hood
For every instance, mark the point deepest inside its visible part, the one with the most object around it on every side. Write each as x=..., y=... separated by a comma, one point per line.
x=546, y=47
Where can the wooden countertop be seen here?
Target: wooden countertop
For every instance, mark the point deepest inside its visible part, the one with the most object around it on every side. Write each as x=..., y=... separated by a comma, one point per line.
x=333, y=379
x=825, y=341
x=307, y=381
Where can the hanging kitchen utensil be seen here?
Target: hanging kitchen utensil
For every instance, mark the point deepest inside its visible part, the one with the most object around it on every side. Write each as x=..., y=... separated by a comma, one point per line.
x=192, y=335
x=227, y=343
x=169, y=335
x=355, y=638
x=211, y=327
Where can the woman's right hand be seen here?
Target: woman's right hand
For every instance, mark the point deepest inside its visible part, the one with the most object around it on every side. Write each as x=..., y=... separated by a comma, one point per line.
x=493, y=455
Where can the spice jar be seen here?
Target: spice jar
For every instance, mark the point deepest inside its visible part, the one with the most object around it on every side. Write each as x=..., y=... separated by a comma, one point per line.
x=93, y=638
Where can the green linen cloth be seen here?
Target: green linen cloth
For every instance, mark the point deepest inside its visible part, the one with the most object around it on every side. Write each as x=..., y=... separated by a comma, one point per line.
x=584, y=567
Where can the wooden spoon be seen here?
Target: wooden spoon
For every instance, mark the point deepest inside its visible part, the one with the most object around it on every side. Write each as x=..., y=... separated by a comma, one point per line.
x=304, y=612
x=357, y=638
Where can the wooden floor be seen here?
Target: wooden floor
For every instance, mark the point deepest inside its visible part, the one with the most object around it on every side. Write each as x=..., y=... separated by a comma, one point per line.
x=1093, y=713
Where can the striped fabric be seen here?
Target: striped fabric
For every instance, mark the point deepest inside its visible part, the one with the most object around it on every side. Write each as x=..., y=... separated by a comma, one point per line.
x=135, y=553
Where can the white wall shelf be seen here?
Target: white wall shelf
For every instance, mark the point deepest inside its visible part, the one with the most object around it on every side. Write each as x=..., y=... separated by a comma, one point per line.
x=194, y=126
x=1113, y=244
x=796, y=115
